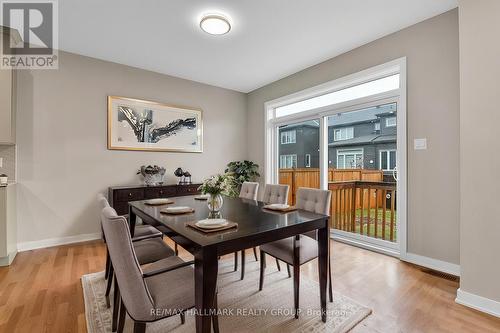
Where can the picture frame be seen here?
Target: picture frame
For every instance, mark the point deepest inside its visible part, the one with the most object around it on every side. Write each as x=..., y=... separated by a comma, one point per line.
x=142, y=125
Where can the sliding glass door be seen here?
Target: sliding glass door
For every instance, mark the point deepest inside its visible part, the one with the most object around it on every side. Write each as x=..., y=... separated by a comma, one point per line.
x=298, y=155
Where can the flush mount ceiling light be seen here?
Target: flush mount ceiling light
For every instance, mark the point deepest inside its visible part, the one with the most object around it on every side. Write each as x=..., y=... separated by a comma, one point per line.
x=215, y=24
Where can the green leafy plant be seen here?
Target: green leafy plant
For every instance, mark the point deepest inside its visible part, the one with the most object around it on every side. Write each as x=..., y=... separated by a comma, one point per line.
x=242, y=171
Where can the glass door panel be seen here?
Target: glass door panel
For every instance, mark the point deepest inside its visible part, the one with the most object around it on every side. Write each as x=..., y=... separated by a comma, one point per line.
x=362, y=155
x=298, y=156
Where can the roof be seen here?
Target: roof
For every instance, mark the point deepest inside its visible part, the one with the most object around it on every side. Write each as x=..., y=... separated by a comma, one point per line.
x=366, y=139
x=365, y=115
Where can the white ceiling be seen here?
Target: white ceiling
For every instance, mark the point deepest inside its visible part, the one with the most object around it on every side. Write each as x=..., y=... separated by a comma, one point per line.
x=270, y=39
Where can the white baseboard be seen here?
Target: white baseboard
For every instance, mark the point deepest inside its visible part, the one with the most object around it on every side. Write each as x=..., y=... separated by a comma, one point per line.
x=435, y=264
x=26, y=246
x=479, y=303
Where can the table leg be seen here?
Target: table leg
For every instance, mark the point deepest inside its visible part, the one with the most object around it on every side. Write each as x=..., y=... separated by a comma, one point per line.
x=206, y=267
x=323, y=244
x=132, y=217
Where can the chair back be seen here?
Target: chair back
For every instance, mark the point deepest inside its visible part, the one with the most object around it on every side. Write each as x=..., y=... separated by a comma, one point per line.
x=249, y=190
x=276, y=194
x=103, y=202
x=315, y=201
x=128, y=272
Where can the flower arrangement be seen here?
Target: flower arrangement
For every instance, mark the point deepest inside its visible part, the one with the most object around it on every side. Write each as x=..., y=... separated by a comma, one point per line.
x=218, y=184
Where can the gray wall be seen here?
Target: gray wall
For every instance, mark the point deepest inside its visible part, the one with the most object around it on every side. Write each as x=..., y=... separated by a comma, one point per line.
x=61, y=134
x=431, y=48
x=479, y=144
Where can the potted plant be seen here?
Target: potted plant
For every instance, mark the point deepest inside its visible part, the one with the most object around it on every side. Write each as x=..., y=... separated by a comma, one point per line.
x=242, y=171
x=215, y=187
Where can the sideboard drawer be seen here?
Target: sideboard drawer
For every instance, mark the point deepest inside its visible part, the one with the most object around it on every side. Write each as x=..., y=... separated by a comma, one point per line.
x=121, y=208
x=187, y=189
x=130, y=195
x=159, y=192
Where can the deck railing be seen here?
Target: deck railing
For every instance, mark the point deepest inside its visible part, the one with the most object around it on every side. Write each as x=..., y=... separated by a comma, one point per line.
x=364, y=207
x=309, y=177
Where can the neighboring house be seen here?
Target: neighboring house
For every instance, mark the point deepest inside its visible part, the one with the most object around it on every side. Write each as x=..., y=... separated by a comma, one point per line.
x=364, y=139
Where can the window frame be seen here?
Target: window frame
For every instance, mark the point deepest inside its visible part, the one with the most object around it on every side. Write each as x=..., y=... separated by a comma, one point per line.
x=307, y=160
x=285, y=134
x=349, y=151
x=293, y=158
x=388, y=158
x=395, y=118
x=347, y=130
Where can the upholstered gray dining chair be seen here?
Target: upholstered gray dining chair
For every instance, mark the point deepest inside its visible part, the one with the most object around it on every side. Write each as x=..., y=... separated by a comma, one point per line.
x=167, y=284
x=273, y=194
x=299, y=250
x=249, y=190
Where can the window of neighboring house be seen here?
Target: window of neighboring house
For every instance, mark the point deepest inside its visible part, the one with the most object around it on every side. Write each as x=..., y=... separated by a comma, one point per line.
x=288, y=137
x=308, y=160
x=345, y=133
x=350, y=159
x=390, y=122
x=387, y=159
x=377, y=126
x=288, y=161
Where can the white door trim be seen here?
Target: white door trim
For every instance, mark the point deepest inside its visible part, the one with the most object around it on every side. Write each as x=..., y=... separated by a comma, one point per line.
x=271, y=124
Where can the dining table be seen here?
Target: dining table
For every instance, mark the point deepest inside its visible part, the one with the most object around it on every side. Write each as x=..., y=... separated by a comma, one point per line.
x=256, y=225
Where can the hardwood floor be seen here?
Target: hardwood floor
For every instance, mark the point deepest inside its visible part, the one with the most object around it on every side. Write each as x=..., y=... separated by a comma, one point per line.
x=41, y=291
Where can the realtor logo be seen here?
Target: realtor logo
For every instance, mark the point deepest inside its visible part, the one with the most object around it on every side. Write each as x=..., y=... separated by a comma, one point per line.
x=35, y=22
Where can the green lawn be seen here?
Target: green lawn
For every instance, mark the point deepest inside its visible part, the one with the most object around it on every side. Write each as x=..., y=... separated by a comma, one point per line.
x=371, y=231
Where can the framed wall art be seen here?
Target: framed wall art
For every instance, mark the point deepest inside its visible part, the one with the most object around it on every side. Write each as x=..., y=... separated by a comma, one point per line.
x=135, y=124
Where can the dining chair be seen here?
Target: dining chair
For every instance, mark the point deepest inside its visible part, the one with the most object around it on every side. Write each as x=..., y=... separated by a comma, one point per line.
x=298, y=250
x=140, y=232
x=147, y=250
x=273, y=194
x=166, y=285
x=249, y=190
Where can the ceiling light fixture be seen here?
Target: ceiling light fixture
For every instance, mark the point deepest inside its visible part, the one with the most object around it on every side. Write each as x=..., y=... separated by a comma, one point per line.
x=215, y=24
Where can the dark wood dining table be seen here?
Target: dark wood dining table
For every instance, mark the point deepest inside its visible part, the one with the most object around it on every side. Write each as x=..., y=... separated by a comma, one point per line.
x=256, y=226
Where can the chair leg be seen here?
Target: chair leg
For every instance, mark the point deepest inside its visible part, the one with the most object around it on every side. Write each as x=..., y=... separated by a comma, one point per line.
x=278, y=264
x=116, y=306
x=262, y=268
x=121, y=317
x=235, y=261
x=242, y=264
x=330, y=282
x=288, y=269
x=255, y=254
x=176, y=250
x=110, y=282
x=139, y=327
x=108, y=263
x=183, y=318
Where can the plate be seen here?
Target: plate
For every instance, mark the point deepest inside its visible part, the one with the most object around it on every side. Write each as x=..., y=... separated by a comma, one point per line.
x=158, y=201
x=277, y=206
x=212, y=223
x=177, y=210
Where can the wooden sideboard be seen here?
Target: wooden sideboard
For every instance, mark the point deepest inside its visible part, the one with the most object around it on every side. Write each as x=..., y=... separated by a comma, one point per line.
x=119, y=196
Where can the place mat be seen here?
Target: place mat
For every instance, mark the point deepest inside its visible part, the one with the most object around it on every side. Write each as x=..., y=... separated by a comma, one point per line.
x=159, y=203
x=229, y=225
x=286, y=210
x=177, y=213
x=201, y=198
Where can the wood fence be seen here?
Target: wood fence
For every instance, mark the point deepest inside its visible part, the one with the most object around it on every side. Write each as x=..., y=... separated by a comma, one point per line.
x=309, y=177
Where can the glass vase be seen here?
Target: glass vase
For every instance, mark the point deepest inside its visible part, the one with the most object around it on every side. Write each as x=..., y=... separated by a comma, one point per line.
x=214, y=203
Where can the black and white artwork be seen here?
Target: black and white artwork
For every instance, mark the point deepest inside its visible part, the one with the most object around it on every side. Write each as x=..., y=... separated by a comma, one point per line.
x=143, y=125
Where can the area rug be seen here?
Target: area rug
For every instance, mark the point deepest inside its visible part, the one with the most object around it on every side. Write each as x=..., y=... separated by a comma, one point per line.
x=243, y=307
